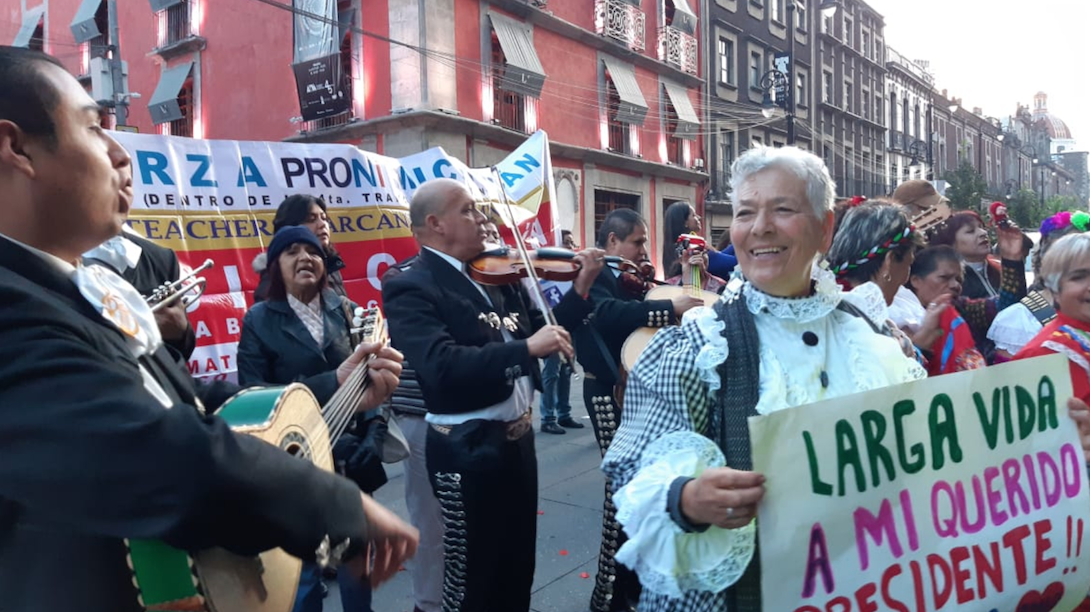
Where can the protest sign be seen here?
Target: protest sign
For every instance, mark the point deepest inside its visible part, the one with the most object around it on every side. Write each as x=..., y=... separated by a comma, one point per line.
x=962, y=491
x=216, y=199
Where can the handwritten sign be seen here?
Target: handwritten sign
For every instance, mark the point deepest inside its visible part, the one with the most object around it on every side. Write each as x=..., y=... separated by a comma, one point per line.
x=963, y=491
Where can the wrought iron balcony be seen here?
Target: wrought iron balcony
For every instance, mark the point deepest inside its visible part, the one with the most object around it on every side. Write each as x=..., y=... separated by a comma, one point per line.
x=620, y=21
x=678, y=49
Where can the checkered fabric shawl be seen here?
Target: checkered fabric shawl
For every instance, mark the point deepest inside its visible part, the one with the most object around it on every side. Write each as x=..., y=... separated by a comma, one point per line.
x=665, y=395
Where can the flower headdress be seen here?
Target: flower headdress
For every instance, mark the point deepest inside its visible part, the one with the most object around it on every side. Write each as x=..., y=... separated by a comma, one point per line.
x=1061, y=220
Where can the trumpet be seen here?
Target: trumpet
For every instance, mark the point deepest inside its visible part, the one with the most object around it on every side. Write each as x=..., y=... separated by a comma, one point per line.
x=168, y=292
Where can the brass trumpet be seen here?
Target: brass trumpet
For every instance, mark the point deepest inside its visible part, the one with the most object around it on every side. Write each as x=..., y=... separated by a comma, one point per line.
x=168, y=292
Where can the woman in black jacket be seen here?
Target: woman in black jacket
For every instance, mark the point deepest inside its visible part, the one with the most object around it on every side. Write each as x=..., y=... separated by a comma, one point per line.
x=301, y=333
x=312, y=213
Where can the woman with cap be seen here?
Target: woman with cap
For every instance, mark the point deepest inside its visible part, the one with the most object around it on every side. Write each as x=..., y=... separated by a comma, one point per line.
x=301, y=333
x=310, y=212
x=1015, y=326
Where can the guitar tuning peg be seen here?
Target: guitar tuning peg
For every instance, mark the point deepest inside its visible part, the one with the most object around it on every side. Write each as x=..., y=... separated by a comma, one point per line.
x=359, y=311
x=356, y=321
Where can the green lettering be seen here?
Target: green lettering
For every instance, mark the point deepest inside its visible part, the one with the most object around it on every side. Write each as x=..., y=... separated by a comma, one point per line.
x=1046, y=404
x=990, y=425
x=1027, y=412
x=874, y=429
x=847, y=455
x=944, y=429
x=901, y=410
x=1007, y=414
x=819, y=486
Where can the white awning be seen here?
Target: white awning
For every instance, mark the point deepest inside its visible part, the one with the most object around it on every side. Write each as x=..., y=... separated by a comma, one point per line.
x=31, y=19
x=688, y=124
x=522, y=71
x=633, y=106
x=163, y=104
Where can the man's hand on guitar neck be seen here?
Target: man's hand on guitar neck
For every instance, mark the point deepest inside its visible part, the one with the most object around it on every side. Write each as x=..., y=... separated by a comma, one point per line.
x=391, y=542
x=384, y=372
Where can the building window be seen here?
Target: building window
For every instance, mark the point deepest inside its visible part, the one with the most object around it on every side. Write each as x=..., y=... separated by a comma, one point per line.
x=848, y=33
x=800, y=89
x=866, y=44
x=726, y=158
x=756, y=141
x=916, y=121
x=827, y=88
x=879, y=113
x=864, y=98
x=893, y=110
x=508, y=107
x=800, y=17
x=726, y=61
x=905, y=118
x=878, y=57
x=775, y=10
x=618, y=131
x=606, y=202
x=847, y=97
x=184, y=125
x=755, y=70
x=178, y=23
x=675, y=151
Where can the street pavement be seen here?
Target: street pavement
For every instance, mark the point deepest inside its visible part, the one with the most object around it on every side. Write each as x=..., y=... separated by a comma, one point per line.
x=569, y=521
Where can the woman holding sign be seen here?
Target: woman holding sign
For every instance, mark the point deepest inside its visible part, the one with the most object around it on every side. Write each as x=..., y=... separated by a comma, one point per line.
x=781, y=337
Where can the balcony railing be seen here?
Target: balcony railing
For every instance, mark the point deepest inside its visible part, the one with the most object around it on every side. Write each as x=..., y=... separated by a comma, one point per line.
x=620, y=21
x=326, y=123
x=678, y=49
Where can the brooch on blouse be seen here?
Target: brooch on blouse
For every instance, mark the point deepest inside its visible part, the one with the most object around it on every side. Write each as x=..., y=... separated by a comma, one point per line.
x=492, y=319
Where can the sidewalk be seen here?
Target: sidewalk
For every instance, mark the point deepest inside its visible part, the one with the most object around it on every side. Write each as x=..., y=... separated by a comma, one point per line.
x=569, y=521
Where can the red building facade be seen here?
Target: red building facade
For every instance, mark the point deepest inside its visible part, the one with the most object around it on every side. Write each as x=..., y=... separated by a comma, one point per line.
x=615, y=83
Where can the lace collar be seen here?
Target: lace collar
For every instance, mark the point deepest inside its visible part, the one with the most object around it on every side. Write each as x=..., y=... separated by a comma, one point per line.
x=822, y=301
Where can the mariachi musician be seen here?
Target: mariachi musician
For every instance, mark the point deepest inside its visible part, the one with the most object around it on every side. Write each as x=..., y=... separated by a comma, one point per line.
x=148, y=266
x=475, y=348
x=618, y=312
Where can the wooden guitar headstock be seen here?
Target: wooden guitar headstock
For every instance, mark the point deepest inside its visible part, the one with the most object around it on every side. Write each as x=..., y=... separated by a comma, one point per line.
x=932, y=218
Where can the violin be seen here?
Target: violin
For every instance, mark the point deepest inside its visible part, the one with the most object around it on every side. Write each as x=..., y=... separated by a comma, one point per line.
x=504, y=266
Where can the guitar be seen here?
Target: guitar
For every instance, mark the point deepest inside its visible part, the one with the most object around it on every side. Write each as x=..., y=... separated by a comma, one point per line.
x=692, y=284
x=215, y=580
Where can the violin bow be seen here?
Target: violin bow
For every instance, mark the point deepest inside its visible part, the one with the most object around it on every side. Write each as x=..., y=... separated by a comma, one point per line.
x=531, y=273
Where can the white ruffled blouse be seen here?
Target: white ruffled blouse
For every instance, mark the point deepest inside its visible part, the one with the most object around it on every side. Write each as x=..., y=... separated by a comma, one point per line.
x=1013, y=328
x=676, y=376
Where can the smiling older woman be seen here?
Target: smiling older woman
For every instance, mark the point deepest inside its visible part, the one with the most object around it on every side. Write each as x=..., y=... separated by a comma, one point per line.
x=791, y=342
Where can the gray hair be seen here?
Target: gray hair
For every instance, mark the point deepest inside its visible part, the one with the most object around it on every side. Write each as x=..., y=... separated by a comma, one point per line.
x=820, y=187
x=430, y=199
x=1066, y=254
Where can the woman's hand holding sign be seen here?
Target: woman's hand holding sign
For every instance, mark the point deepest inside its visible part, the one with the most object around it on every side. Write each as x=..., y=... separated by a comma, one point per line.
x=1080, y=413
x=723, y=497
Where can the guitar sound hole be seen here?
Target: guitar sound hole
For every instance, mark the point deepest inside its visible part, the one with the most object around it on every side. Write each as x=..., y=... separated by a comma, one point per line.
x=295, y=444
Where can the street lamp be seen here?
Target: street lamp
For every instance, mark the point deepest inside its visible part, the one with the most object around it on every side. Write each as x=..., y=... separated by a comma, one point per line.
x=774, y=79
x=917, y=150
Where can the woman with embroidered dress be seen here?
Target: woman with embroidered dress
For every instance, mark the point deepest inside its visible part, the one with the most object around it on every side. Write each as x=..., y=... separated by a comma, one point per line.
x=872, y=253
x=1015, y=326
x=1065, y=272
x=779, y=338
x=937, y=276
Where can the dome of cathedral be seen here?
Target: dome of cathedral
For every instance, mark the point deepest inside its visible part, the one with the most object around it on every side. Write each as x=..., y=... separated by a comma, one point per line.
x=1057, y=129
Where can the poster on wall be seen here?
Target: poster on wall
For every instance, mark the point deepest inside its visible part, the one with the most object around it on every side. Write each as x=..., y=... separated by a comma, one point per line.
x=216, y=199
x=966, y=491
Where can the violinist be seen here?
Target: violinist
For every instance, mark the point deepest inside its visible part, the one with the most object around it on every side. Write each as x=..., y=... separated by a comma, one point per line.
x=475, y=349
x=617, y=313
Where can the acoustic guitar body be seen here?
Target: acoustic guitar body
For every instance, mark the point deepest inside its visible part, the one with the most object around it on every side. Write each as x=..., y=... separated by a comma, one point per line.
x=215, y=580
x=638, y=340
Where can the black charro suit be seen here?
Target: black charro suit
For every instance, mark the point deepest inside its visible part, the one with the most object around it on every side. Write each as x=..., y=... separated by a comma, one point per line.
x=90, y=457
x=617, y=314
x=484, y=472
x=157, y=265
x=463, y=362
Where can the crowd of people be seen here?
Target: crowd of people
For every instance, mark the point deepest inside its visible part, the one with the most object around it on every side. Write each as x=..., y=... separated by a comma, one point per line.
x=109, y=439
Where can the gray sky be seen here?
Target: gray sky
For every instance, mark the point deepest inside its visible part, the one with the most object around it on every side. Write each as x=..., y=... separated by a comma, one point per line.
x=997, y=53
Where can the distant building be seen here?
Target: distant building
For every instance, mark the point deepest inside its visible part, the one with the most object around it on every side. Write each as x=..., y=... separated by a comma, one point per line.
x=1058, y=132
x=910, y=140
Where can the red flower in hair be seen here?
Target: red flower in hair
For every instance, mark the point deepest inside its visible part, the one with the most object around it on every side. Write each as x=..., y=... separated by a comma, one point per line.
x=857, y=200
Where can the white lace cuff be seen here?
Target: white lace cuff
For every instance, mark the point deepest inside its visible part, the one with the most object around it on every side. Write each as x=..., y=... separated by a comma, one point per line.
x=668, y=560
